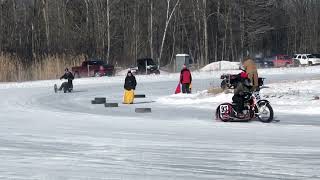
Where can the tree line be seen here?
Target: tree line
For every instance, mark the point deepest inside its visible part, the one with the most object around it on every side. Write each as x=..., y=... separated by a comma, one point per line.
x=120, y=31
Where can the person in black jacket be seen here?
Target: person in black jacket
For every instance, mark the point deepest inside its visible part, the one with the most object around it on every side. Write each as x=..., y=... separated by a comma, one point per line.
x=129, y=86
x=241, y=93
x=130, y=82
x=69, y=76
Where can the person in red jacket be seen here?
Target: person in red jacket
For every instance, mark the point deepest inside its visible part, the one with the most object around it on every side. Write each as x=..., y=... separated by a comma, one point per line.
x=185, y=79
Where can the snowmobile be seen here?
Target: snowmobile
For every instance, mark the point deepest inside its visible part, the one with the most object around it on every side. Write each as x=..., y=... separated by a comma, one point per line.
x=254, y=108
x=65, y=87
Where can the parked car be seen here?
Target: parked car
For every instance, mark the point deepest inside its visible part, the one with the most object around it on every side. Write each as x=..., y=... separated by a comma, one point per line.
x=281, y=60
x=264, y=62
x=317, y=58
x=134, y=70
x=307, y=59
x=92, y=68
x=316, y=55
x=296, y=61
x=146, y=66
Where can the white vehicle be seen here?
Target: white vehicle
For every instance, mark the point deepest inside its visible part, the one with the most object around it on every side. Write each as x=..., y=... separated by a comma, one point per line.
x=134, y=69
x=307, y=59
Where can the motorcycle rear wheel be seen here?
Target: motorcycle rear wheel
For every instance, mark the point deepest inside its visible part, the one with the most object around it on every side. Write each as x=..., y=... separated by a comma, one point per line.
x=218, y=114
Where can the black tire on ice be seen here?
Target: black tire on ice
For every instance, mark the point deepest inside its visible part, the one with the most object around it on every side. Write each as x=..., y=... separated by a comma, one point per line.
x=94, y=102
x=111, y=105
x=55, y=88
x=143, y=110
x=100, y=100
x=139, y=96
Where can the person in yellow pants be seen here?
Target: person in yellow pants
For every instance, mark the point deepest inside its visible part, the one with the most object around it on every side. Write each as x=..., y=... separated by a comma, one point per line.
x=129, y=87
x=251, y=69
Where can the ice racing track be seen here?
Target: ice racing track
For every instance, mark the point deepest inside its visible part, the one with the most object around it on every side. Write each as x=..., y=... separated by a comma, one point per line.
x=62, y=136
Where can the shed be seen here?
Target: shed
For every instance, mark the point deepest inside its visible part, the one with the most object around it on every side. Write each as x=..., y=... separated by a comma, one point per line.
x=181, y=59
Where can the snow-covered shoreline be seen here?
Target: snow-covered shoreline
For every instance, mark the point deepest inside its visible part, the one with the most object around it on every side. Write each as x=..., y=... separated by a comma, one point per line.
x=289, y=73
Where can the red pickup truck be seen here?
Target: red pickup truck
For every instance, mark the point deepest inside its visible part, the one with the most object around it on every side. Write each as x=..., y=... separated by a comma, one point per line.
x=92, y=68
x=282, y=61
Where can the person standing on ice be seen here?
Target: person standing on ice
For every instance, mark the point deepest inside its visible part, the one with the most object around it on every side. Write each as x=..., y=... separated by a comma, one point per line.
x=185, y=79
x=251, y=69
x=129, y=86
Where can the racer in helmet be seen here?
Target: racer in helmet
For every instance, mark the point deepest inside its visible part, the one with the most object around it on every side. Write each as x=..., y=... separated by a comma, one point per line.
x=242, y=92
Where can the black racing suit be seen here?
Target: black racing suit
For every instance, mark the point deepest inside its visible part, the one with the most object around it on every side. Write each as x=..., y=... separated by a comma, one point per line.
x=240, y=92
x=69, y=76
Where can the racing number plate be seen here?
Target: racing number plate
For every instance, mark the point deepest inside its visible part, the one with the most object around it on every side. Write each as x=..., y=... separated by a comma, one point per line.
x=224, y=109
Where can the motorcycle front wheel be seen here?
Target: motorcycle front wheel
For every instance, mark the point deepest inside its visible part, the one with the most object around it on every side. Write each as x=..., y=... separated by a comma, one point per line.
x=224, y=85
x=265, y=112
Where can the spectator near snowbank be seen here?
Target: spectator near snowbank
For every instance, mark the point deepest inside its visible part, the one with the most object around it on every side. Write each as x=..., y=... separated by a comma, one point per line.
x=221, y=65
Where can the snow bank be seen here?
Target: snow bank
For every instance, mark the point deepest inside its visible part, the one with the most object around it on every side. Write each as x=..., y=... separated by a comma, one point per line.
x=198, y=100
x=294, y=97
x=123, y=72
x=221, y=65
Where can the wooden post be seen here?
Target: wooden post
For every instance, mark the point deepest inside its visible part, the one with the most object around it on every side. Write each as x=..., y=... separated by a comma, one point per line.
x=88, y=69
x=146, y=62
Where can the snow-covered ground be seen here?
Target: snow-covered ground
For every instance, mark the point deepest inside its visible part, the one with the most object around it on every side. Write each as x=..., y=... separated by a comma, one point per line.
x=44, y=135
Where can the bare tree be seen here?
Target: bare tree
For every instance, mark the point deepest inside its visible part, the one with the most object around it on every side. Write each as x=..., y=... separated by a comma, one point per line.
x=151, y=29
x=168, y=19
x=122, y=31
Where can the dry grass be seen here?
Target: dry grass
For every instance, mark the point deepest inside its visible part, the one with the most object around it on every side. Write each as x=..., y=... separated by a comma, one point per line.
x=217, y=90
x=8, y=68
x=50, y=67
